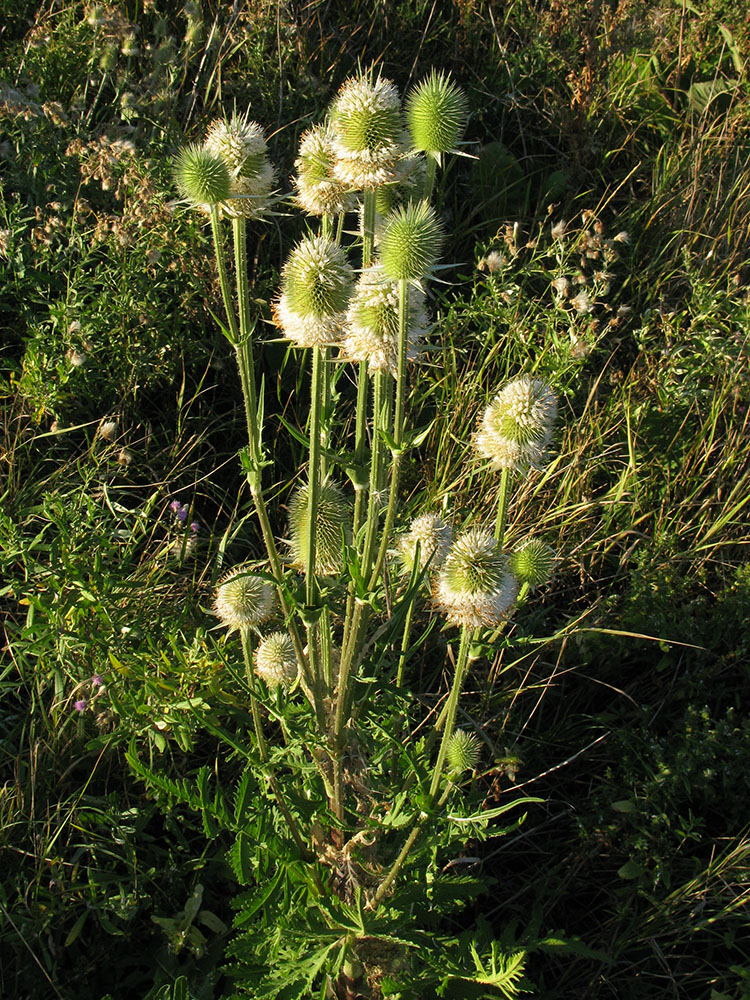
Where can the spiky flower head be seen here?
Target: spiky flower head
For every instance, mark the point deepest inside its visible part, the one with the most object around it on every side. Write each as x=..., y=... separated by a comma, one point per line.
x=436, y=112
x=316, y=283
x=475, y=588
x=372, y=322
x=366, y=121
x=463, y=751
x=243, y=599
x=202, y=177
x=516, y=427
x=319, y=192
x=240, y=143
x=334, y=518
x=410, y=242
x=275, y=660
x=434, y=537
x=532, y=563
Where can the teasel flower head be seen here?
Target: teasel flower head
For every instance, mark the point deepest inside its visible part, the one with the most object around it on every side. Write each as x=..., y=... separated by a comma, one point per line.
x=532, y=563
x=275, y=660
x=243, y=599
x=334, y=519
x=202, y=177
x=436, y=112
x=319, y=192
x=410, y=242
x=434, y=538
x=316, y=283
x=242, y=146
x=516, y=427
x=463, y=751
x=475, y=588
x=372, y=322
x=408, y=180
x=366, y=121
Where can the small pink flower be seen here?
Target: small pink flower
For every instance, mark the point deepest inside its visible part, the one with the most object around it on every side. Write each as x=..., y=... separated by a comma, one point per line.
x=80, y=705
x=97, y=680
x=195, y=527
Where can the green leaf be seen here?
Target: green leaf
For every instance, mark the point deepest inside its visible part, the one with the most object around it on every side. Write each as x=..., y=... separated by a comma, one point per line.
x=630, y=870
x=625, y=806
x=705, y=92
x=76, y=929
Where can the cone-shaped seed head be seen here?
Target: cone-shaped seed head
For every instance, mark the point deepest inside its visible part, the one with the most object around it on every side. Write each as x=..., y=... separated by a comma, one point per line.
x=275, y=661
x=436, y=112
x=241, y=145
x=516, y=427
x=372, y=322
x=316, y=283
x=334, y=520
x=319, y=192
x=202, y=177
x=366, y=121
x=475, y=586
x=532, y=563
x=434, y=537
x=410, y=242
x=243, y=599
x=463, y=751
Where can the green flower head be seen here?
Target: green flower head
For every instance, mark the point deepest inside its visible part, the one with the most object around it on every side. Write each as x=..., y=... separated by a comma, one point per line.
x=436, y=112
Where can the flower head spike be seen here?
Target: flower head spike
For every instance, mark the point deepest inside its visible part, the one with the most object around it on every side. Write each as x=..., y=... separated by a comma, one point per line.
x=410, y=242
x=275, y=660
x=202, y=177
x=475, y=587
x=434, y=537
x=516, y=427
x=463, y=751
x=243, y=599
x=436, y=112
x=372, y=322
x=333, y=526
x=532, y=563
x=319, y=192
x=240, y=143
x=366, y=121
x=316, y=283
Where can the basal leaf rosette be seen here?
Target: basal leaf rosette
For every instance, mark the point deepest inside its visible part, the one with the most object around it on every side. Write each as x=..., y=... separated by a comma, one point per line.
x=365, y=118
x=333, y=526
x=475, y=588
x=372, y=323
x=410, y=242
x=240, y=143
x=436, y=113
x=432, y=535
x=202, y=178
x=319, y=191
x=516, y=427
x=243, y=599
x=275, y=660
x=316, y=284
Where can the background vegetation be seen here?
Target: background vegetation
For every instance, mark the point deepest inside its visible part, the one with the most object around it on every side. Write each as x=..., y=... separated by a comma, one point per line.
x=623, y=703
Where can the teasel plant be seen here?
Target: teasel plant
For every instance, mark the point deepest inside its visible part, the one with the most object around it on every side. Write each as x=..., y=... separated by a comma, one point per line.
x=359, y=303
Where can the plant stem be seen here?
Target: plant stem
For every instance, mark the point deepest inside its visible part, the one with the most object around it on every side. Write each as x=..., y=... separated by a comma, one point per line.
x=313, y=491
x=502, y=507
x=429, y=177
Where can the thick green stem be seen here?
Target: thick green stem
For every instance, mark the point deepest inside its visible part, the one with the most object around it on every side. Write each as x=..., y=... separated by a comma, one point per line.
x=313, y=492
x=404, y=644
x=221, y=264
x=429, y=177
x=502, y=506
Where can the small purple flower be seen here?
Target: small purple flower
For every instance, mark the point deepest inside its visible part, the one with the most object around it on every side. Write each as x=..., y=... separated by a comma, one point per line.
x=80, y=705
x=175, y=506
x=182, y=514
x=195, y=527
x=97, y=680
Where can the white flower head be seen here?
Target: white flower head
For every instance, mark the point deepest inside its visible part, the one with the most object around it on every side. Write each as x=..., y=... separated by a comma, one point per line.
x=319, y=192
x=366, y=121
x=243, y=599
x=240, y=143
x=275, y=660
x=475, y=588
x=434, y=538
x=316, y=283
x=516, y=427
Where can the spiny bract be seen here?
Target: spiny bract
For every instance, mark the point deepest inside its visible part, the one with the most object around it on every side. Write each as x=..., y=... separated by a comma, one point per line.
x=436, y=112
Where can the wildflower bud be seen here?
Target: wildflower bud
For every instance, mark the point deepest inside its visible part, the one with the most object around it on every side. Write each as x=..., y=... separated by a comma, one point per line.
x=410, y=242
x=332, y=526
x=372, y=323
x=532, y=563
x=316, y=283
x=463, y=751
x=434, y=538
x=243, y=599
x=516, y=427
x=240, y=143
x=275, y=660
x=475, y=587
x=436, y=112
x=202, y=177
x=366, y=121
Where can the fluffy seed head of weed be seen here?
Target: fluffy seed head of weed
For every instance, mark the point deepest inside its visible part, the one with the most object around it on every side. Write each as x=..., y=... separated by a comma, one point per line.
x=410, y=242
x=316, y=284
x=275, y=660
x=240, y=143
x=475, y=588
x=516, y=427
x=366, y=121
x=433, y=536
x=333, y=525
x=243, y=599
x=319, y=192
x=436, y=112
